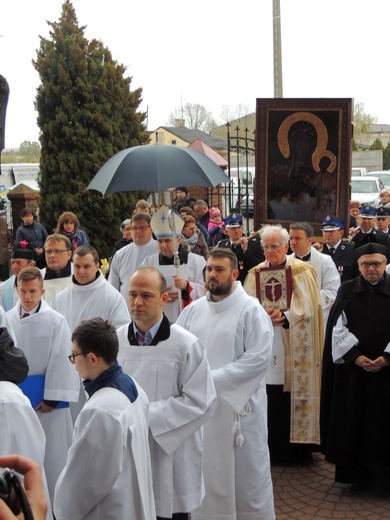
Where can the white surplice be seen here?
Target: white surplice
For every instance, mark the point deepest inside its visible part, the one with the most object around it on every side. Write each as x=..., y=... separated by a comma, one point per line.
x=45, y=339
x=192, y=271
x=83, y=302
x=177, y=380
x=238, y=335
x=96, y=299
x=21, y=432
x=108, y=470
x=55, y=285
x=125, y=262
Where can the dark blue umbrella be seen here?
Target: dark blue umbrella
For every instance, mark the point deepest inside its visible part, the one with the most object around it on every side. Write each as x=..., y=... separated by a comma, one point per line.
x=156, y=168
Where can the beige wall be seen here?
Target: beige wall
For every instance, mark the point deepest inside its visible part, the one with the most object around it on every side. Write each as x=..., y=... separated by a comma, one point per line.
x=248, y=121
x=165, y=137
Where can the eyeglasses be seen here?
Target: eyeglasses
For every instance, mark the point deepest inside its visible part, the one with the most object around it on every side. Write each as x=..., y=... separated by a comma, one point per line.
x=274, y=247
x=140, y=228
x=72, y=356
x=55, y=251
x=375, y=265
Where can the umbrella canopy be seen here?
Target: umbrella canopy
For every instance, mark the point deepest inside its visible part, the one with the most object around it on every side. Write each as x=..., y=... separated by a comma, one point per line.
x=156, y=168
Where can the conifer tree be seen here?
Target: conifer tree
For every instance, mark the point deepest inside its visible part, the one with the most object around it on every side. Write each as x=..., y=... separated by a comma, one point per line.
x=86, y=114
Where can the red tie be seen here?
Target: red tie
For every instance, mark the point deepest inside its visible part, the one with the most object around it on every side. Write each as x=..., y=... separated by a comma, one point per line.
x=25, y=315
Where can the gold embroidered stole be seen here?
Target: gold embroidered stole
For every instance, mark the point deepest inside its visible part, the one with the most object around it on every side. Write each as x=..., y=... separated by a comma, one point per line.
x=303, y=343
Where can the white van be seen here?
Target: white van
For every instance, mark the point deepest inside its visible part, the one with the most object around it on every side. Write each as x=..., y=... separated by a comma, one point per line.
x=243, y=180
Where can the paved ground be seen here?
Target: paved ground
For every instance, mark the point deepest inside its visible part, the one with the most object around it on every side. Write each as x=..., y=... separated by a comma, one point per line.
x=309, y=493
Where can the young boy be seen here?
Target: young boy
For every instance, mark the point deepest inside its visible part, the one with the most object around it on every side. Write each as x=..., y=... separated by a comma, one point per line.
x=108, y=472
x=44, y=337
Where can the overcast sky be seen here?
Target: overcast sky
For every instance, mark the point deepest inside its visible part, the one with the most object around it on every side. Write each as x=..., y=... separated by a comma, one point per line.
x=212, y=52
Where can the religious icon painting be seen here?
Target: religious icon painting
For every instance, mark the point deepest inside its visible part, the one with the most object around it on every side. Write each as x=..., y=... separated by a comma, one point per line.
x=303, y=160
x=274, y=287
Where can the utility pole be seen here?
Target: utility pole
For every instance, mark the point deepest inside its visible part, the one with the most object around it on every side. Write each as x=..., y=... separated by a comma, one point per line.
x=278, y=75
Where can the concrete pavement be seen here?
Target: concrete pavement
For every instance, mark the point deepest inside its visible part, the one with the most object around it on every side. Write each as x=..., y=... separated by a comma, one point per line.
x=309, y=493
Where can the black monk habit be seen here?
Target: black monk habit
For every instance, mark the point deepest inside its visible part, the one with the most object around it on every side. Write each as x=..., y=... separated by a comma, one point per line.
x=355, y=404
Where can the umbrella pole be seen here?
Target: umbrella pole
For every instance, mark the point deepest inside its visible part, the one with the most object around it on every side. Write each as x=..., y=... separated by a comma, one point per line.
x=176, y=259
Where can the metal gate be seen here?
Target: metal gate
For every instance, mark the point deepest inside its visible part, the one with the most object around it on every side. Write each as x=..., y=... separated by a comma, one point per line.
x=238, y=195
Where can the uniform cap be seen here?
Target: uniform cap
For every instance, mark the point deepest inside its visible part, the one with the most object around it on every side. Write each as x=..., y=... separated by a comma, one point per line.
x=382, y=212
x=331, y=223
x=233, y=220
x=367, y=211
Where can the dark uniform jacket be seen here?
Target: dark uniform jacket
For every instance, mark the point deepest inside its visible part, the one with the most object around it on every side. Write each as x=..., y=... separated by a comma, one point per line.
x=246, y=260
x=344, y=259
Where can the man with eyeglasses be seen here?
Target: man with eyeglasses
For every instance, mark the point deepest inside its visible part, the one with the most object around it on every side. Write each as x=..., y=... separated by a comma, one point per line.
x=108, y=471
x=58, y=273
x=88, y=296
x=355, y=394
x=127, y=260
x=44, y=337
x=293, y=375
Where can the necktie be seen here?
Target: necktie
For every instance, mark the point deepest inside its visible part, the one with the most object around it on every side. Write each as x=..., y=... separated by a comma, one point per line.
x=25, y=315
x=332, y=250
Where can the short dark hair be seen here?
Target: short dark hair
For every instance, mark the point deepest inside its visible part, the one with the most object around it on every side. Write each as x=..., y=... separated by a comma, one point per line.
x=98, y=336
x=202, y=204
x=141, y=216
x=28, y=274
x=25, y=212
x=186, y=209
x=224, y=252
x=86, y=250
x=303, y=226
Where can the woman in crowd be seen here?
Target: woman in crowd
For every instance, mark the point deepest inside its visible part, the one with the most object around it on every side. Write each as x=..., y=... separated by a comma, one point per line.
x=34, y=233
x=68, y=224
x=192, y=239
x=189, y=212
x=126, y=238
x=384, y=196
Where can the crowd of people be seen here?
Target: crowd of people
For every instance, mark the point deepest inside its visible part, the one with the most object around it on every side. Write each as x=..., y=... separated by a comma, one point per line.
x=207, y=355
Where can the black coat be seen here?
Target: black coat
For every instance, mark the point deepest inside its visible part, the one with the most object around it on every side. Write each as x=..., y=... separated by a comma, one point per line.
x=355, y=404
x=246, y=260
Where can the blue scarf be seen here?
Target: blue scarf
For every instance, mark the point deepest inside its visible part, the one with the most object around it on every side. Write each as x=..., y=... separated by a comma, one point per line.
x=113, y=377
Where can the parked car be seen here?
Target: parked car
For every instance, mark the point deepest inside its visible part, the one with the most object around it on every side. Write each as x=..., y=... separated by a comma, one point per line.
x=358, y=171
x=242, y=183
x=384, y=176
x=366, y=189
x=247, y=205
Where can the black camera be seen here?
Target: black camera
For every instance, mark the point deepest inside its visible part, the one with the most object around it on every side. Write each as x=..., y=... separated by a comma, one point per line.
x=12, y=492
x=7, y=490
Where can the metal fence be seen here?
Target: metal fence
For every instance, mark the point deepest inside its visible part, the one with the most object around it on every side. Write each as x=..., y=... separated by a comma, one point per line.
x=238, y=195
